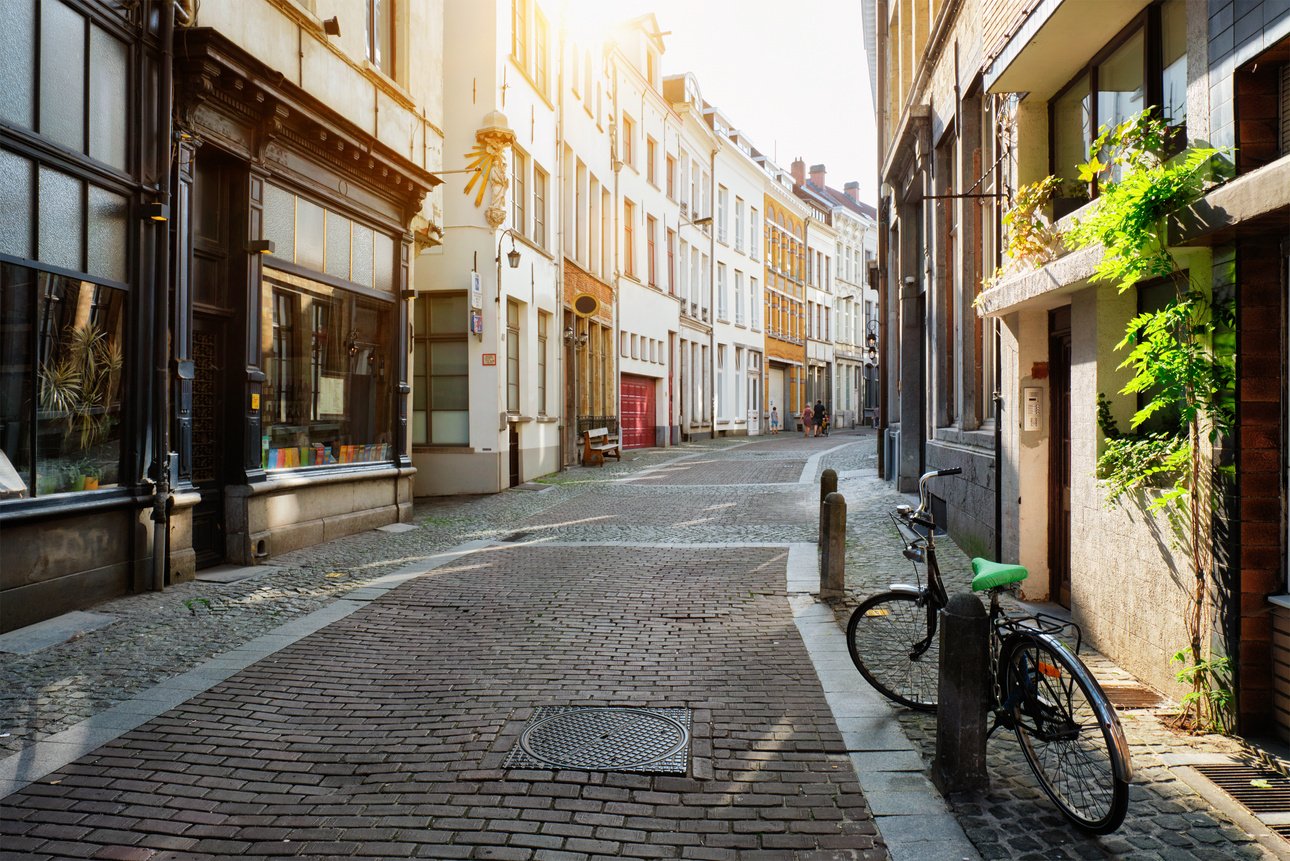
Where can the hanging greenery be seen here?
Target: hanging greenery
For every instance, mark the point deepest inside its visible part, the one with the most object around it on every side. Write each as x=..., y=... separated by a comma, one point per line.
x=1176, y=371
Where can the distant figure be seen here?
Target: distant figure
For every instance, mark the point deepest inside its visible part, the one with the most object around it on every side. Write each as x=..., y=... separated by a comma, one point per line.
x=807, y=416
x=817, y=416
x=774, y=420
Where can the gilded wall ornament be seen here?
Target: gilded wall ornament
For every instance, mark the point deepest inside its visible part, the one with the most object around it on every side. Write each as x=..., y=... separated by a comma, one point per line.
x=487, y=161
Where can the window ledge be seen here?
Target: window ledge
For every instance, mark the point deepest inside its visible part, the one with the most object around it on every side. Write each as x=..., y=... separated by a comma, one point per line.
x=1282, y=601
x=518, y=419
x=391, y=87
x=547, y=420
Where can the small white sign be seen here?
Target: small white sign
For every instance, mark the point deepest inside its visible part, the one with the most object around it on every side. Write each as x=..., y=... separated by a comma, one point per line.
x=1033, y=415
x=476, y=292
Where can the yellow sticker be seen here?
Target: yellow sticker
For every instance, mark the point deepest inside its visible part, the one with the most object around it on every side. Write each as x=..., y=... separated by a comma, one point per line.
x=255, y=401
x=878, y=611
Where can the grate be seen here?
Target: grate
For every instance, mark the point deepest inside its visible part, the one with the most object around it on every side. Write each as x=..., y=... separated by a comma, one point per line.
x=1259, y=790
x=1131, y=696
x=1282, y=830
x=654, y=741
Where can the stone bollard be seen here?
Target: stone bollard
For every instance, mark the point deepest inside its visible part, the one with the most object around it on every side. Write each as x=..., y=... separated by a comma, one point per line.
x=828, y=484
x=963, y=698
x=833, y=553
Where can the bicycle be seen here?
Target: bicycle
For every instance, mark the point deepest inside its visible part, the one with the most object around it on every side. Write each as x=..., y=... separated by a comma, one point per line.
x=1068, y=730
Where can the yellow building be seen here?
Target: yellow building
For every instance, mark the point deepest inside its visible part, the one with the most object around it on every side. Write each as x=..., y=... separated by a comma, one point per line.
x=785, y=305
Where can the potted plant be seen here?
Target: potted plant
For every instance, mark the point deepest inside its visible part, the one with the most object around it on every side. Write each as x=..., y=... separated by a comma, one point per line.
x=78, y=388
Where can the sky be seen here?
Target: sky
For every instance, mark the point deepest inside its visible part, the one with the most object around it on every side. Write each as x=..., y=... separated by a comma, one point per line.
x=792, y=76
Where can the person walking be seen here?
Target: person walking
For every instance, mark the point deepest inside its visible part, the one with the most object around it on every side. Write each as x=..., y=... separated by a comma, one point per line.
x=774, y=420
x=817, y=416
x=807, y=416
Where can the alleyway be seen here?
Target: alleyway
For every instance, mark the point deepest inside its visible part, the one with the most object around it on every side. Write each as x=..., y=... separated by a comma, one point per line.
x=365, y=698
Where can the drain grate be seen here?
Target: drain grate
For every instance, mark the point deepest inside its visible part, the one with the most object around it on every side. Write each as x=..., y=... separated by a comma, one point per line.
x=1259, y=790
x=1131, y=696
x=653, y=741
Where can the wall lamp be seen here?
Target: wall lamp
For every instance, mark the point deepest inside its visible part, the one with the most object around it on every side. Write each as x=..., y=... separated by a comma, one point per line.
x=570, y=338
x=156, y=211
x=261, y=246
x=331, y=26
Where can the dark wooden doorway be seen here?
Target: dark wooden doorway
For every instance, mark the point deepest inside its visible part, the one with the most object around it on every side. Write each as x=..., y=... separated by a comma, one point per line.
x=1059, y=456
x=513, y=440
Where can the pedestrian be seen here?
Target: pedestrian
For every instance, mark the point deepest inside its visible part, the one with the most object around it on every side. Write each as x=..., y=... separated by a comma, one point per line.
x=807, y=415
x=817, y=416
x=774, y=420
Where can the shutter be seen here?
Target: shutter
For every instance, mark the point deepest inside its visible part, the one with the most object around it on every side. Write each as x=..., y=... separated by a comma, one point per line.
x=1285, y=109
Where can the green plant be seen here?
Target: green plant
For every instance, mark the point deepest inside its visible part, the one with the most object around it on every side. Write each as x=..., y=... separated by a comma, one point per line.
x=1210, y=698
x=80, y=384
x=1171, y=354
x=1033, y=239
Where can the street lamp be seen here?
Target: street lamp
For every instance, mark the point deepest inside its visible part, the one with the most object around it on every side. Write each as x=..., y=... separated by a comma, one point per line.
x=512, y=259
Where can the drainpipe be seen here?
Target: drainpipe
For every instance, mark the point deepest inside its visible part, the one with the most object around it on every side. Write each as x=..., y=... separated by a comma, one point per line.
x=712, y=296
x=563, y=448
x=998, y=447
x=161, y=309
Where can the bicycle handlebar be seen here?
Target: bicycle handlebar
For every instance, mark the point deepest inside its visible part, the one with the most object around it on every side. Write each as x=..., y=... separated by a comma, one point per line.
x=922, y=486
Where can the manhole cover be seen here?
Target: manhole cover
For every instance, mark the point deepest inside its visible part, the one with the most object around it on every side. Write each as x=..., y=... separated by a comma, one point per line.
x=655, y=741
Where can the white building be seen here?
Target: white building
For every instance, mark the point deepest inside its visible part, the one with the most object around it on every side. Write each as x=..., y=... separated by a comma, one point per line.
x=821, y=245
x=486, y=402
x=856, y=309
x=740, y=344
x=644, y=126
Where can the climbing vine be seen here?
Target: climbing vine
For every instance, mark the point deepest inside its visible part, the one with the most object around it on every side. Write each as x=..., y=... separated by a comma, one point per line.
x=1177, y=375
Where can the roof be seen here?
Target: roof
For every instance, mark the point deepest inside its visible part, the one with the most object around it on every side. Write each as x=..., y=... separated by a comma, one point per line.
x=833, y=197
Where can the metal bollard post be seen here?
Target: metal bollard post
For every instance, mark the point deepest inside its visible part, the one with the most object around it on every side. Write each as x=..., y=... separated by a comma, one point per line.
x=828, y=484
x=959, y=764
x=834, y=551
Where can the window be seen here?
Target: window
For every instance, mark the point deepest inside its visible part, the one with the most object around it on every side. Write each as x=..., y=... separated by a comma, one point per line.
x=651, y=252
x=723, y=205
x=540, y=73
x=544, y=323
x=739, y=224
x=61, y=409
x=739, y=297
x=721, y=291
x=440, y=390
x=754, y=234
x=722, y=400
x=380, y=35
x=671, y=262
x=519, y=167
x=629, y=237
x=539, y=206
x=520, y=32
x=629, y=129
x=512, y=356
x=671, y=178
x=651, y=158
x=329, y=394
x=754, y=303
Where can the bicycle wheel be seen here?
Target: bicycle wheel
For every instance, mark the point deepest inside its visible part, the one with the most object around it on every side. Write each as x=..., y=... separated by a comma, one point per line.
x=1068, y=732
x=894, y=645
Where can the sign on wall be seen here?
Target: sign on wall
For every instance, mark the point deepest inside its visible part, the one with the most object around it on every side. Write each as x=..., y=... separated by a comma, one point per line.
x=489, y=359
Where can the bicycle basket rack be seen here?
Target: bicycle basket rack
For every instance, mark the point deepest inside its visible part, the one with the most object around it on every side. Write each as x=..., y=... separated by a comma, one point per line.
x=1043, y=623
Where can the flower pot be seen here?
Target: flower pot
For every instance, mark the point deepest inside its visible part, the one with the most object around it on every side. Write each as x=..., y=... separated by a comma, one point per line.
x=91, y=482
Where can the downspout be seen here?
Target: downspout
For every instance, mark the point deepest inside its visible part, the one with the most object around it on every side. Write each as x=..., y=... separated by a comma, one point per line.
x=882, y=245
x=616, y=166
x=161, y=308
x=712, y=287
x=998, y=448
x=563, y=448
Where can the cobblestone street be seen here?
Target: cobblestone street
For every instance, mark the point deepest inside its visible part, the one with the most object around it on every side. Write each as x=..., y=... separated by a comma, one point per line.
x=361, y=698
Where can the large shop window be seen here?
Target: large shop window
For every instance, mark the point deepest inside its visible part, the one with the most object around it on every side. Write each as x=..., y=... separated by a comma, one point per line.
x=328, y=397
x=441, y=377
x=61, y=363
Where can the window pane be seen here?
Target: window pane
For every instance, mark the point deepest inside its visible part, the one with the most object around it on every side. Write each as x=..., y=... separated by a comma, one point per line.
x=16, y=318
x=449, y=393
x=309, y=234
x=448, y=358
x=450, y=428
x=361, y=255
x=80, y=363
x=107, y=98
x=1072, y=132
x=18, y=47
x=16, y=175
x=1173, y=49
x=383, y=254
x=448, y=314
x=107, y=234
x=62, y=219
x=279, y=220
x=1120, y=83
x=329, y=394
x=337, y=245
x=62, y=75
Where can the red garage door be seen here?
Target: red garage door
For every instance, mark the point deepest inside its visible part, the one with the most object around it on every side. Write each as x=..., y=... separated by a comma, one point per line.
x=639, y=409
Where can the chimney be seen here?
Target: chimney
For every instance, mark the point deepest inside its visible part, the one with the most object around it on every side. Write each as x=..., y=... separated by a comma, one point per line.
x=852, y=190
x=817, y=175
x=799, y=171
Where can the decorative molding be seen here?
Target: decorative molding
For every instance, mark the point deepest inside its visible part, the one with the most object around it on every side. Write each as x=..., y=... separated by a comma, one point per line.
x=487, y=162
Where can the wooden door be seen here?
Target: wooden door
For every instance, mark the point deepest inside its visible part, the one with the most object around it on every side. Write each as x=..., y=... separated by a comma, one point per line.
x=1059, y=457
x=639, y=410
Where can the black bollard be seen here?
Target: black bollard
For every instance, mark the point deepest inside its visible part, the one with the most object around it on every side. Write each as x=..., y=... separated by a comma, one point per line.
x=959, y=764
x=828, y=484
x=833, y=552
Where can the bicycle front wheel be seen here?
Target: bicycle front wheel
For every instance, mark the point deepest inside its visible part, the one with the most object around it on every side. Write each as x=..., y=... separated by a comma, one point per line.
x=1068, y=732
x=894, y=644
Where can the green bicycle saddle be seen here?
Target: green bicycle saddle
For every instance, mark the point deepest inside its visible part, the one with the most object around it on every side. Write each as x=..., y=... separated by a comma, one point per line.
x=988, y=575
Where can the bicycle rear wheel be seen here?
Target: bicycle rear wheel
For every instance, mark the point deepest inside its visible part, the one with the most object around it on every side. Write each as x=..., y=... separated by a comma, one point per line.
x=1068, y=732
x=894, y=644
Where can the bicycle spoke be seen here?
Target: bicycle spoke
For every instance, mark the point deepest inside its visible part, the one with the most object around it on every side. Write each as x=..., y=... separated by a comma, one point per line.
x=893, y=648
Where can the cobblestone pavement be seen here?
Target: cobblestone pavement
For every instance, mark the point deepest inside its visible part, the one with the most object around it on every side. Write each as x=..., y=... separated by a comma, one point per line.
x=1014, y=819
x=228, y=760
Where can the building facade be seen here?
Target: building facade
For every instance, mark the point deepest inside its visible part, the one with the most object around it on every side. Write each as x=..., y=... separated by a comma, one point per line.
x=784, y=268
x=221, y=373
x=980, y=98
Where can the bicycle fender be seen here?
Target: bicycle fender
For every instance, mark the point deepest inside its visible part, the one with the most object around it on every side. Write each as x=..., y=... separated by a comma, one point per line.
x=905, y=589
x=1102, y=706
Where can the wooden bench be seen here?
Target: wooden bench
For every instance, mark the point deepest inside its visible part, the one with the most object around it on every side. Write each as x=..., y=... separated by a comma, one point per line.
x=597, y=444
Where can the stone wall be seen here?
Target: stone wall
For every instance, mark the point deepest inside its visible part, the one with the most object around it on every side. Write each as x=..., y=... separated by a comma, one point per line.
x=969, y=498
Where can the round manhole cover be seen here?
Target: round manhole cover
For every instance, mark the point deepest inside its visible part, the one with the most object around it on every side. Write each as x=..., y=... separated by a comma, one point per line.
x=604, y=738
